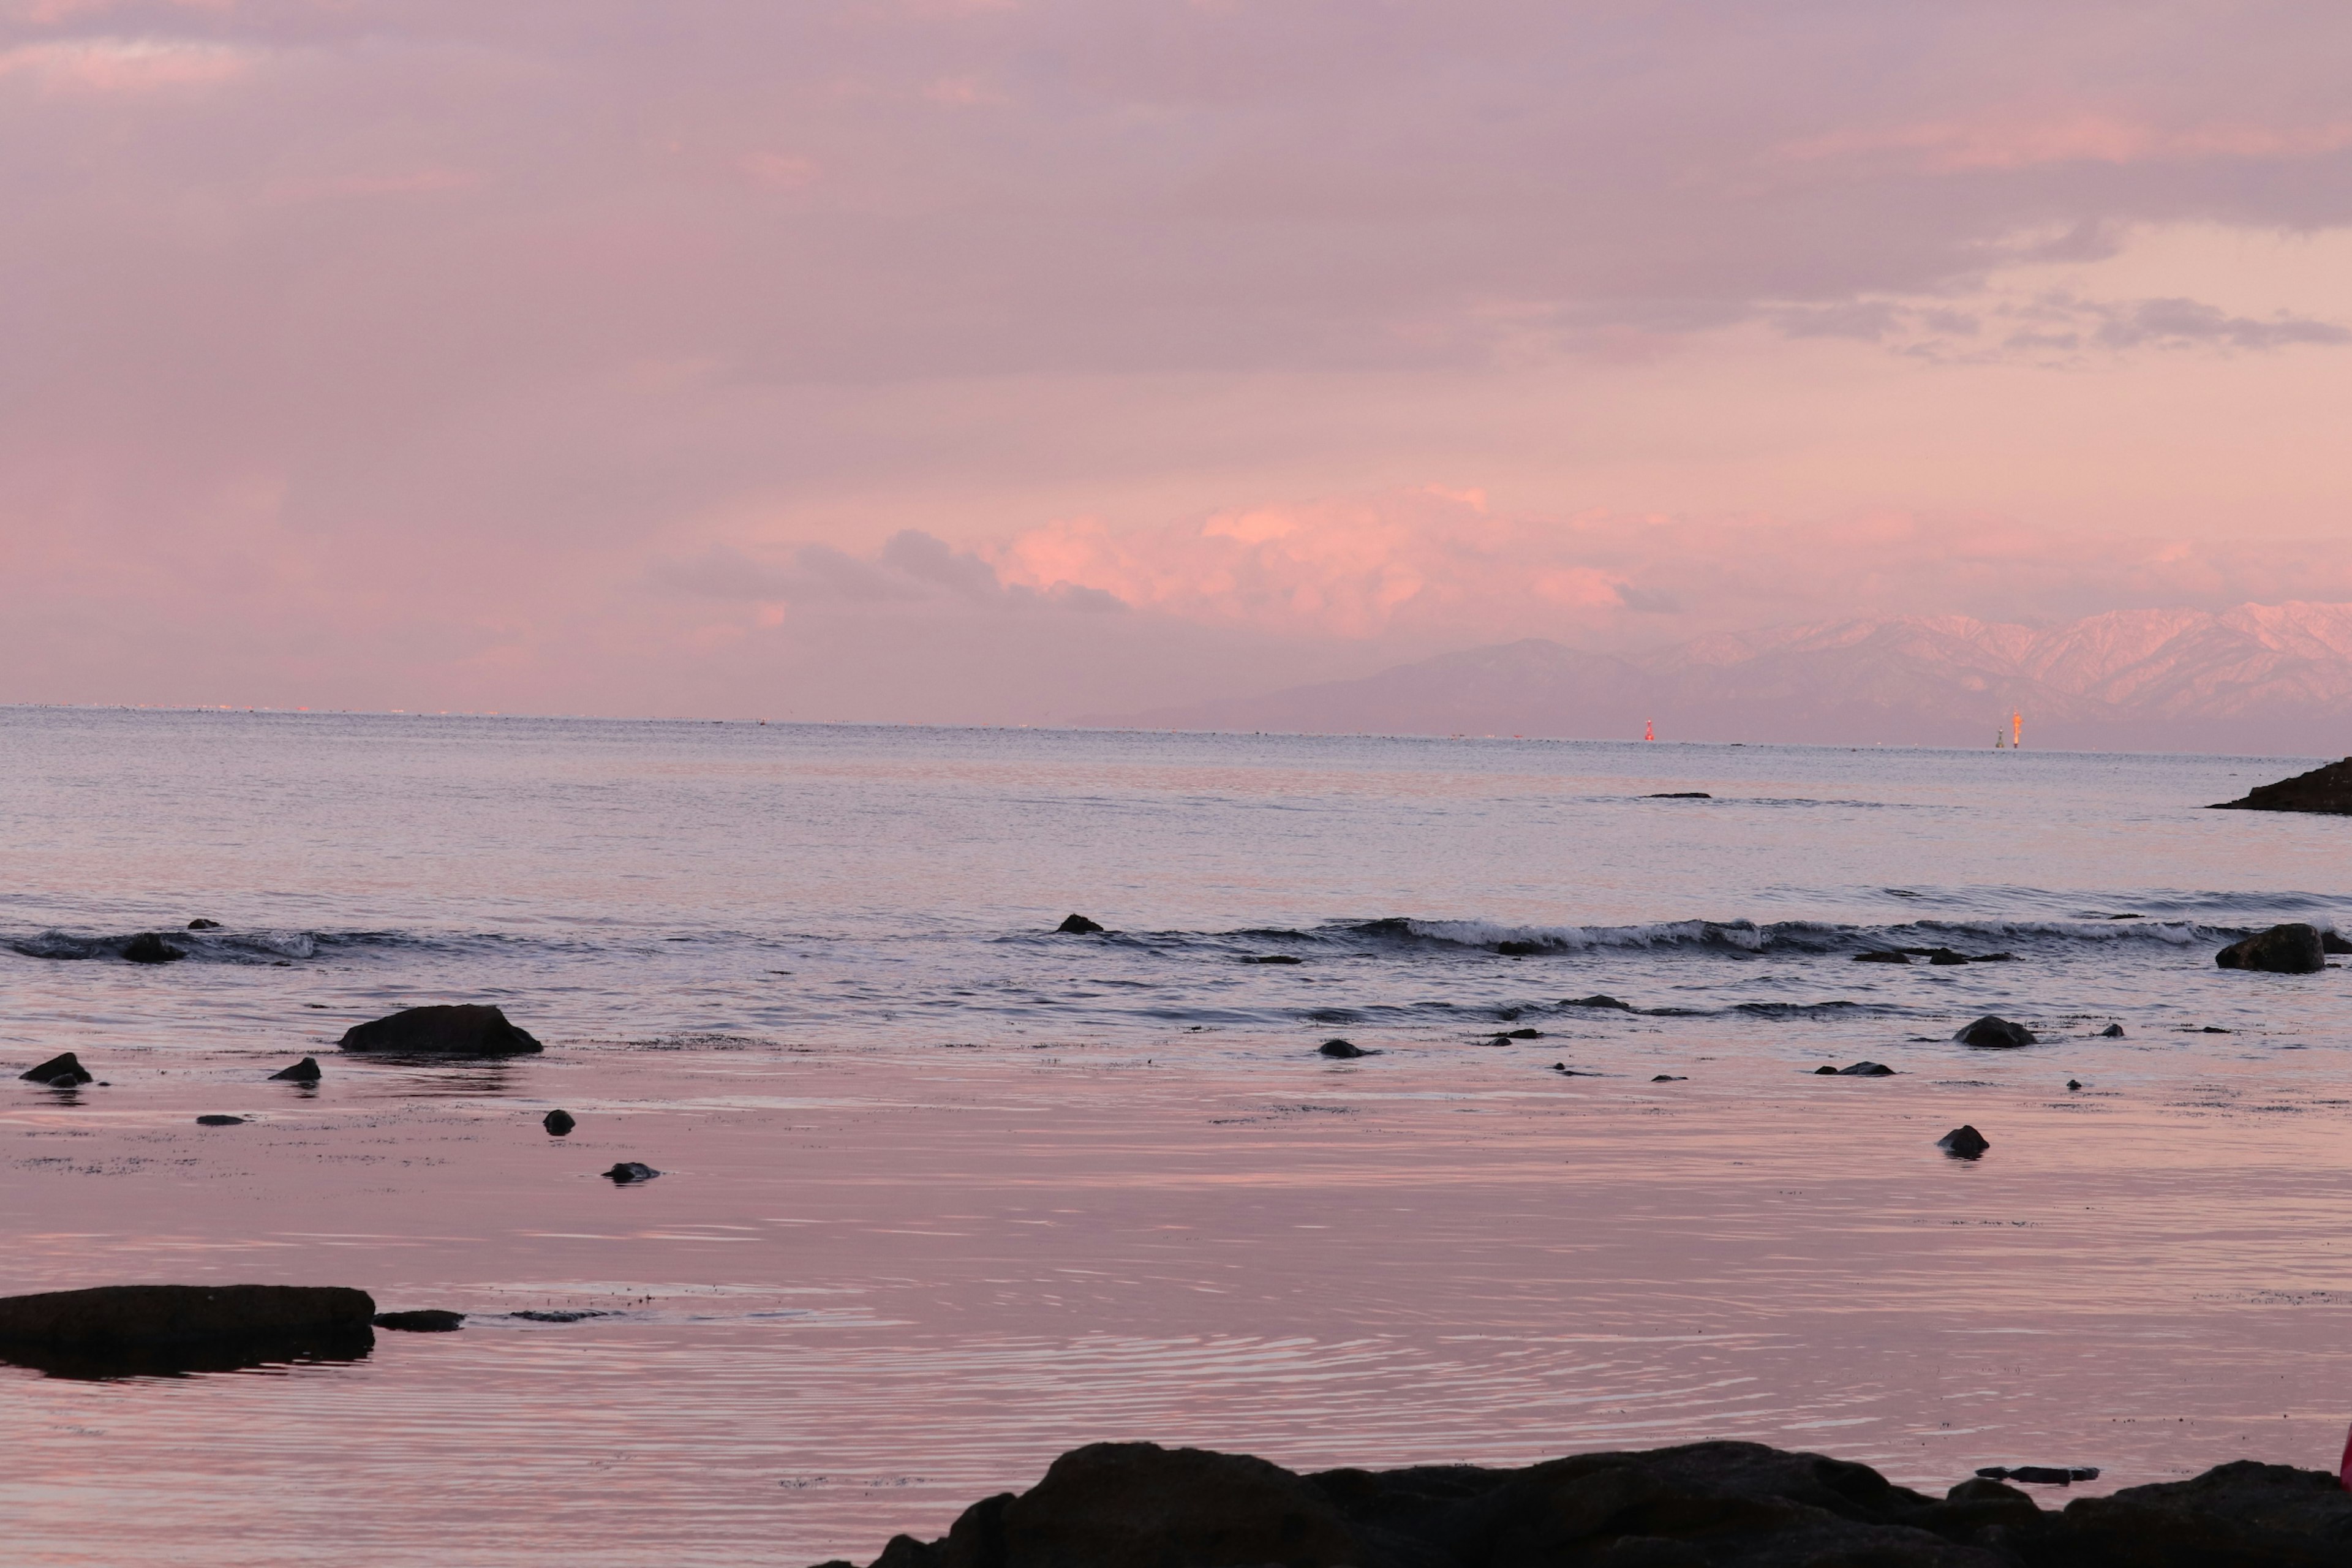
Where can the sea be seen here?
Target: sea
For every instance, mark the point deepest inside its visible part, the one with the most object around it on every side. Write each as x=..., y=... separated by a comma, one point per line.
x=947, y=1190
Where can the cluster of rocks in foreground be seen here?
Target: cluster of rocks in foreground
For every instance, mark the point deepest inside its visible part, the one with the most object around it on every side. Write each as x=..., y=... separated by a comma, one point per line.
x=1704, y=1505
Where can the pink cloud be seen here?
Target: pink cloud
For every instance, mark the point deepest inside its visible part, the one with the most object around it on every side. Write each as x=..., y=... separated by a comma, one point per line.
x=2011, y=142
x=112, y=66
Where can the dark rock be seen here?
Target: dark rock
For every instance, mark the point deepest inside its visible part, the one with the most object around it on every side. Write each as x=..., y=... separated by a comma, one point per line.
x=220, y=1121
x=304, y=1071
x=423, y=1321
x=1274, y=958
x=2291, y=949
x=1668, y=1078
x=201, y=924
x=2327, y=790
x=2215, y=1029
x=1945, y=955
x=2073, y=1084
x=1883, y=955
x=1995, y=1034
x=1076, y=925
x=1343, y=1050
x=1599, y=1000
x=2241, y=1515
x=120, y=1315
x=558, y=1123
x=550, y=1316
x=629, y=1171
x=1683, y=794
x=66, y=1067
x=1702, y=1505
x=1567, y=1071
x=1520, y=1035
x=471, y=1031
x=1994, y=958
x=1963, y=1143
x=2112, y=1032
x=2041, y=1474
x=2331, y=943
x=1518, y=949
x=1866, y=1070
x=149, y=948
x=1821, y=1071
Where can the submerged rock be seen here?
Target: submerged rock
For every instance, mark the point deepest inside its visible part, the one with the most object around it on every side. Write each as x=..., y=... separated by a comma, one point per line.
x=471, y=1030
x=1732, y=1505
x=220, y=1121
x=1683, y=794
x=1274, y=958
x=1518, y=949
x=423, y=1321
x=558, y=1123
x=202, y=924
x=61, y=1072
x=2112, y=1032
x=1994, y=1033
x=2329, y=942
x=2291, y=949
x=1520, y=1035
x=1866, y=1070
x=1342, y=1050
x=2327, y=790
x=1963, y=1143
x=304, y=1071
x=1600, y=999
x=1883, y=955
x=629, y=1171
x=149, y=948
x=1076, y=925
x=1669, y=1077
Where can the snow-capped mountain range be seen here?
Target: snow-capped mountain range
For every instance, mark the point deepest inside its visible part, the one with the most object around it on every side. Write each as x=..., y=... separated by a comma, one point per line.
x=2268, y=678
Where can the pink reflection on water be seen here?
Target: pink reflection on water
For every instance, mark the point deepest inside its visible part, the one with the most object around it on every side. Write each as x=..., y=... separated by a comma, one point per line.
x=869, y=1291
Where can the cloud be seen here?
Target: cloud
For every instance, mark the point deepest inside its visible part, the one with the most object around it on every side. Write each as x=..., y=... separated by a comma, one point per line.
x=111, y=66
x=912, y=569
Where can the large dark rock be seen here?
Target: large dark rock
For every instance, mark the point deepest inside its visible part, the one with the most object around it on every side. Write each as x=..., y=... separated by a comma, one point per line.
x=119, y=1330
x=304, y=1071
x=467, y=1031
x=1342, y=1050
x=61, y=1072
x=559, y=1123
x=2293, y=949
x=1702, y=1505
x=1994, y=1033
x=149, y=948
x=629, y=1171
x=1076, y=925
x=2327, y=790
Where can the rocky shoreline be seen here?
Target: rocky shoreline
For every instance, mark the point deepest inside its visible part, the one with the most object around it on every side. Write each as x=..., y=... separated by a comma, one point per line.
x=1702, y=1505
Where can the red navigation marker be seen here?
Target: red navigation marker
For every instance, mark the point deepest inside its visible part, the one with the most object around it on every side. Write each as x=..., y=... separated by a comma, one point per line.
x=1649, y=729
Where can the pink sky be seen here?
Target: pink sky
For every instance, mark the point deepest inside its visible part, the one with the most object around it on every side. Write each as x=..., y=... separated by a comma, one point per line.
x=995, y=361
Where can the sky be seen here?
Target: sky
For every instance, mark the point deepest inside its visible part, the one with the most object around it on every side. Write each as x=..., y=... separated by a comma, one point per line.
x=1004, y=361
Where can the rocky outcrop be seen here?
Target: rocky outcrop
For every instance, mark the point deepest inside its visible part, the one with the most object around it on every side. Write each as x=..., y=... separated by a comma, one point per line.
x=2327, y=790
x=1076, y=925
x=2293, y=948
x=462, y=1031
x=304, y=1071
x=149, y=948
x=1341, y=1050
x=1994, y=1033
x=115, y=1331
x=1702, y=1505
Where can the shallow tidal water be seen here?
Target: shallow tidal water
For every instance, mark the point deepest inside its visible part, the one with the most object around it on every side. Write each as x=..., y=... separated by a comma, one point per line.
x=944, y=1196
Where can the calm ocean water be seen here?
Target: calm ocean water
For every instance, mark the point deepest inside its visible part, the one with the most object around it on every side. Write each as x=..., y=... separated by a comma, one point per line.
x=628, y=880
x=945, y=1193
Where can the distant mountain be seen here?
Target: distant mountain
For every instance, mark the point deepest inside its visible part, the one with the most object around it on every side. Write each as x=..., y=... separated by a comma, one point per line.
x=2272, y=679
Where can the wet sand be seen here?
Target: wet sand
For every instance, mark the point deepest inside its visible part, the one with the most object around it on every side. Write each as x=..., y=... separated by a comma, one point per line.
x=874, y=1285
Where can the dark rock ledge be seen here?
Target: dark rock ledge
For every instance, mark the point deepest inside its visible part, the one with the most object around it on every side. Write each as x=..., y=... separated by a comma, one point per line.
x=2327, y=790
x=124, y=1330
x=1704, y=1505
